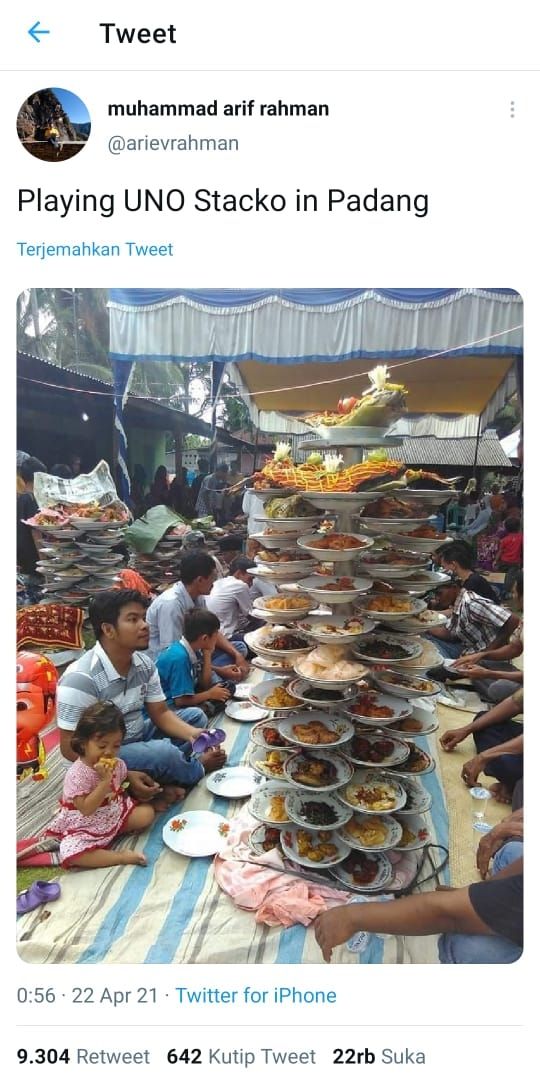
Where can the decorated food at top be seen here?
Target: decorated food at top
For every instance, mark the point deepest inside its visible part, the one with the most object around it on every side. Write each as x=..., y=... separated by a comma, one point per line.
x=379, y=406
x=327, y=474
x=330, y=663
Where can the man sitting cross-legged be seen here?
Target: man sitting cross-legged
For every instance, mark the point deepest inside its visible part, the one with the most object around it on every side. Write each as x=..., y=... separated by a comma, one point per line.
x=158, y=750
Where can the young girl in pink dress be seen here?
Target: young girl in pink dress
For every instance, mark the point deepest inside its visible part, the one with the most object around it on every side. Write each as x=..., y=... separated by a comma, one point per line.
x=95, y=807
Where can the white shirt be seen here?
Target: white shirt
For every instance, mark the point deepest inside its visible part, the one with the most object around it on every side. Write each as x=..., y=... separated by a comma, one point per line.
x=230, y=600
x=253, y=504
x=165, y=617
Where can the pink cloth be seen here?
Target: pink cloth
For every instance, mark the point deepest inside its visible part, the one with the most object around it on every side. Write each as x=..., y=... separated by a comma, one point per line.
x=276, y=898
x=81, y=833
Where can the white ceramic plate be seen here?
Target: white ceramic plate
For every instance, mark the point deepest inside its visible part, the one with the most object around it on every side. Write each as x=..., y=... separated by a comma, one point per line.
x=258, y=640
x=354, y=435
x=399, y=710
x=336, y=501
x=415, y=605
x=343, y=730
x=418, y=798
x=306, y=691
x=280, y=616
x=233, y=782
x=296, y=561
x=312, y=545
x=343, y=770
x=361, y=649
x=272, y=665
x=314, y=584
x=427, y=769
x=420, y=544
x=258, y=836
x=372, y=780
x=257, y=737
x=245, y=711
x=380, y=527
x=242, y=691
x=376, y=884
x=260, y=693
x=292, y=837
x=397, y=755
x=270, y=493
x=318, y=628
x=331, y=685
x=84, y=524
x=260, y=804
x=269, y=762
x=196, y=833
x=392, y=832
x=424, y=622
x=418, y=826
x=409, y=688
x=427, y=728
x=299, y=804
x=288, y=525
x=275, y=574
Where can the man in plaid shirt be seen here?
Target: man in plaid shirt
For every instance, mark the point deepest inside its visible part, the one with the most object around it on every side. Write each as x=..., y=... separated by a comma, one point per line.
x=474, y=624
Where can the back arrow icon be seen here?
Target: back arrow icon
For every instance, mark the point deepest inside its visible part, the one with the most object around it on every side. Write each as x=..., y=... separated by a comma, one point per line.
x=35, y=33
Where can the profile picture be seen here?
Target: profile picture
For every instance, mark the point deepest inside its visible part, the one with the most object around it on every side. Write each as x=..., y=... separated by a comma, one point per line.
x=53, y=124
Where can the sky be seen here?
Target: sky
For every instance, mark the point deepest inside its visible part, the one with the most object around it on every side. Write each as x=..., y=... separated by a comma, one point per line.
x=72, y=105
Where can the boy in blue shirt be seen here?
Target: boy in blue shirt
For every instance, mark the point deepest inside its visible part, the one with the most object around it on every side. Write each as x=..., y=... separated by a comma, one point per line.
x=185, y=683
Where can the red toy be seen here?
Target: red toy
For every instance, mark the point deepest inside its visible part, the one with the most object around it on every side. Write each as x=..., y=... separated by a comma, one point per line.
x=37, y=679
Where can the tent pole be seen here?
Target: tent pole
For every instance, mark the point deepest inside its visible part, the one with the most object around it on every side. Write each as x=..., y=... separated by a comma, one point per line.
x=476, y=448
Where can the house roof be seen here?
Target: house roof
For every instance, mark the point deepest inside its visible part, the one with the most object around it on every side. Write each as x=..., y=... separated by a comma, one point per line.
x=433, y=451
x=45, y=378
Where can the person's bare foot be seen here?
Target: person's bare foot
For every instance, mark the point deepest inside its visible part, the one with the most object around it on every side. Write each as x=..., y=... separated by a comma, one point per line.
x=213, y=759
x=130, y=856
x=170, y=794
x=501, y=794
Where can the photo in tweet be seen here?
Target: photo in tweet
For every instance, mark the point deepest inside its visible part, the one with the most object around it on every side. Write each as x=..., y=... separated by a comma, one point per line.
x=269, y=586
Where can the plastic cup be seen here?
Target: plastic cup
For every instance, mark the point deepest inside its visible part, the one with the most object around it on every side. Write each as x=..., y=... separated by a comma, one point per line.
x=480, y=797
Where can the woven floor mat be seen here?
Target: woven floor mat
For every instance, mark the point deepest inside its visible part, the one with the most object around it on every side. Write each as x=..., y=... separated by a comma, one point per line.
x=463, y=840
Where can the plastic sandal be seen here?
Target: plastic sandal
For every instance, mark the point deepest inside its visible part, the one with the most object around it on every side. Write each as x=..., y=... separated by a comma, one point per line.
x=208, y=739
x=40, y=892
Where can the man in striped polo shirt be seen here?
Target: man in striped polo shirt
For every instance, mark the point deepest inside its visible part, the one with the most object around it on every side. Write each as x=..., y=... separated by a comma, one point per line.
x=156, y=750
